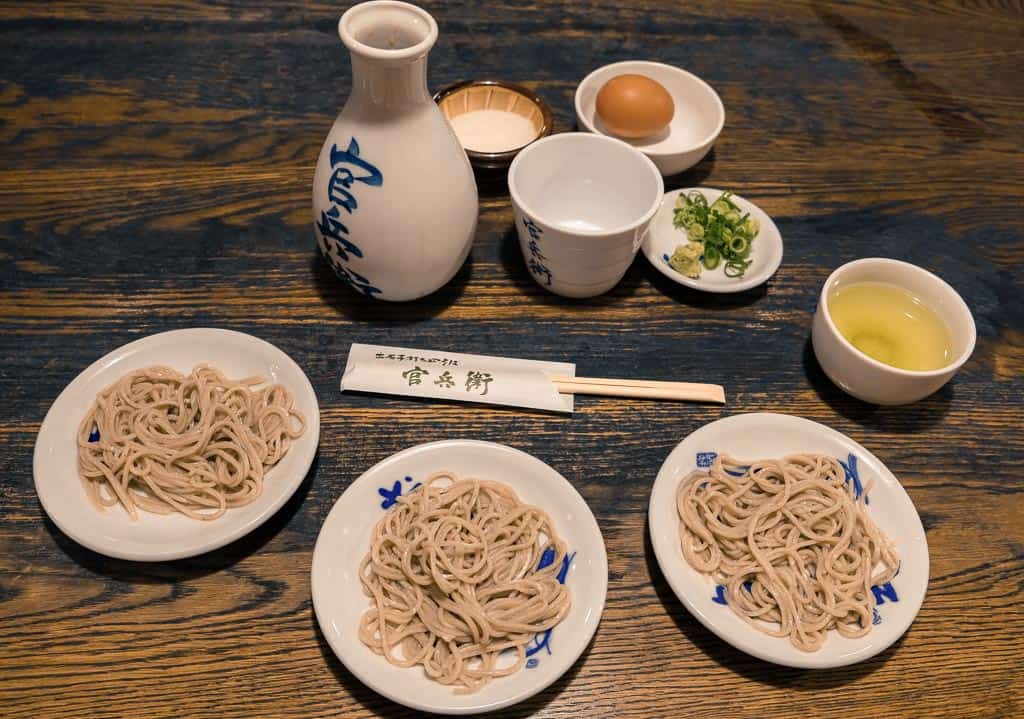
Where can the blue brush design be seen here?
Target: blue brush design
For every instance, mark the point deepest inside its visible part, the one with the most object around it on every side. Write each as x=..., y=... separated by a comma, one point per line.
x=391, y=494
x=543, y=639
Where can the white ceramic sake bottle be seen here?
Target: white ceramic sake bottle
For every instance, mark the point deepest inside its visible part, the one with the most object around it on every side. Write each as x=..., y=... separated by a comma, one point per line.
x=394, y=198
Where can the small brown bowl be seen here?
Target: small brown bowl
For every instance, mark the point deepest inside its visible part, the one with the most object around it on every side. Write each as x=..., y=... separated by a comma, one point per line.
x=473, y=95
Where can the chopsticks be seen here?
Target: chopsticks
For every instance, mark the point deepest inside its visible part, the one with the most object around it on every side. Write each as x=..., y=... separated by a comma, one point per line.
x=642, y=389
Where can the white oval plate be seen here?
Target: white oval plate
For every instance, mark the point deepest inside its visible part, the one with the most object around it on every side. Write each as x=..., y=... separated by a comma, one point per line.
x=345, y=539
x=757, y=436
x=156, y=537
x=662, y=239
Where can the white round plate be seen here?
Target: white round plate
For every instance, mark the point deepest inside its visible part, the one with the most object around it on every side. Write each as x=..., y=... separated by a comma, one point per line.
x=662, y=239
x=757, y=436
x=345, y=539
x=156, y=537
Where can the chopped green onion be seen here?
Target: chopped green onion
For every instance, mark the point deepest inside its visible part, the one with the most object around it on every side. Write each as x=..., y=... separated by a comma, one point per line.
x=735, y=269
x=723, y=230
x=739, y=244
x=712, y=257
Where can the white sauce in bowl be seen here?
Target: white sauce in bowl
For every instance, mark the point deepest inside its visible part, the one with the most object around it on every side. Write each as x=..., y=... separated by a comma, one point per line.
x=493, y=130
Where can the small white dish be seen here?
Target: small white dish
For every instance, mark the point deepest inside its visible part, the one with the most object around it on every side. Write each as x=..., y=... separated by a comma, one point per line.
x=582, y=203
x=494, y=119
x=868, y=379
x=345, y=538
x=155, y=537
x=697, y=122
x=663, y=238
x=757, y=436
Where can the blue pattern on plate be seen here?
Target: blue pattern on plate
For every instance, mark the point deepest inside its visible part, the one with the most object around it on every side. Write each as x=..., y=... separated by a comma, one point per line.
x=881, y=592
x=706, y=459
x=391, y=494
x=543, y=639
x=852, y=475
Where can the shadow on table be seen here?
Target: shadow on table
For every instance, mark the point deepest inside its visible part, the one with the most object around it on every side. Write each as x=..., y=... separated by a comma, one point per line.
x=695, y=176
x=340, y=297
x=491, y=184
x=743, y=664
x=639, y=270
x=903, y=419
x=384, y=707
x=177, y=570
x=500, y=409
x=695, y=298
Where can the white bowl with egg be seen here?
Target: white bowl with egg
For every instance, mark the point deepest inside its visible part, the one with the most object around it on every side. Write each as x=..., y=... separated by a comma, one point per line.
x=874, y=381
x=696, y=123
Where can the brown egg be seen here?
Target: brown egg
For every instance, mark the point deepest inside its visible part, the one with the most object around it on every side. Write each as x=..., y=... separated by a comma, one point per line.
x=634, y=106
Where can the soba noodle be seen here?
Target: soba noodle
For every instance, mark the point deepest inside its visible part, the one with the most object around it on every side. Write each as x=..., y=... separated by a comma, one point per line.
x=163, y=442
x=791, y=543
x=453, y=575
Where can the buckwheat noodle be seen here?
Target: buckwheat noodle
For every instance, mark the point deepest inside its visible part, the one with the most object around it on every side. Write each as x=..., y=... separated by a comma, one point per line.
x=791, y=543
x=453, y=578
x=163, y=442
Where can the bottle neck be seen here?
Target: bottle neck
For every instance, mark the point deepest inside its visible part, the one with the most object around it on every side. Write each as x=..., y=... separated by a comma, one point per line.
x=395, y=86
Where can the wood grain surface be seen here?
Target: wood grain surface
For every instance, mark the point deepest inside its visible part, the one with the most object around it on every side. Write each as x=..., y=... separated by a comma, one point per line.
x=156, y=167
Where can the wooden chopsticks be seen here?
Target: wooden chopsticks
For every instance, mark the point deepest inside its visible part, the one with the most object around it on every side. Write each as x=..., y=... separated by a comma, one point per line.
x=643, y=389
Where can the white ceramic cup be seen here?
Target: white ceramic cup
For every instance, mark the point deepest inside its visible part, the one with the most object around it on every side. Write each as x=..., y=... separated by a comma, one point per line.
x=865, y=377
x=582, y=204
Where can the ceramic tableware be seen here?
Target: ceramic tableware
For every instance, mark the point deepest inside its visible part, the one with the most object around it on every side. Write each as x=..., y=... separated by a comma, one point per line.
x=663, y=238
x=156, y=537
x=697, y=122
x=757, y=436
x=494, y=119
x=582, y=203
x=345, y=538
x=394, y=198
x=865, y=377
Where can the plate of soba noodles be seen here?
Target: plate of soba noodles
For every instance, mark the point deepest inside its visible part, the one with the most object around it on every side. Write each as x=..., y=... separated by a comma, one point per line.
x=789, y=540
x=459, y=576
x=176, y=444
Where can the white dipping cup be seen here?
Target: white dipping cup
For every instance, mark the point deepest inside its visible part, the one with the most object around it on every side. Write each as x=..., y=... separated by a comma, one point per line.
x=582, y=204
x=865, y=377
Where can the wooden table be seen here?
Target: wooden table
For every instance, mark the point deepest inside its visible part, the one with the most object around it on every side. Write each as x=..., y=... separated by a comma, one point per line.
x=157, y=159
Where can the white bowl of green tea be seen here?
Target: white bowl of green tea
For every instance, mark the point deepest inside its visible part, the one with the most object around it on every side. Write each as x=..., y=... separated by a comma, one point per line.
x=889, y=332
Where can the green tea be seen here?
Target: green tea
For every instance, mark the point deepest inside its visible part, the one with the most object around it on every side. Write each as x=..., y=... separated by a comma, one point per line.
x=891, y=325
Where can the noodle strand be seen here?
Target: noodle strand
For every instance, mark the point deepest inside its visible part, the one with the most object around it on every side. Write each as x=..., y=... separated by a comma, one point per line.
x=163, y=442
x=790, y=541
x=453, y=578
